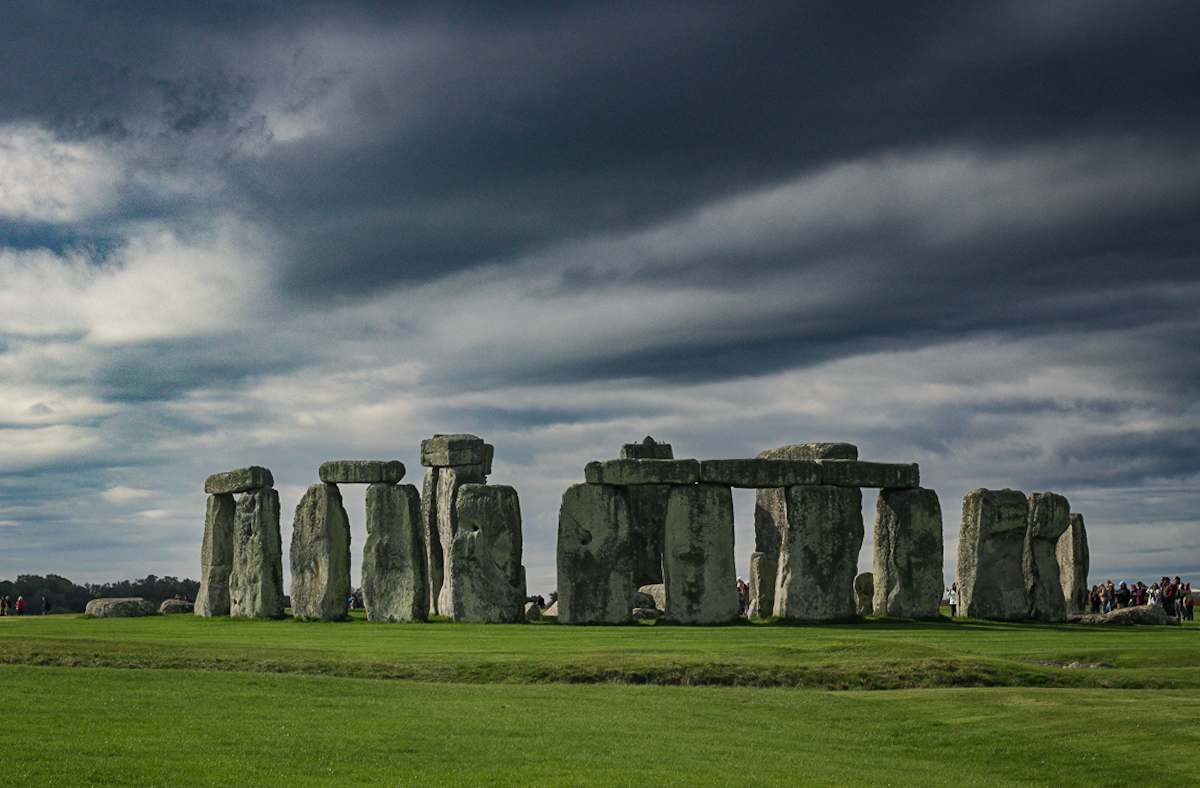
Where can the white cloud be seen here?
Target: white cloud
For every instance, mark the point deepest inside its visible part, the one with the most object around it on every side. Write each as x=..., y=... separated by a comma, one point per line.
x=120, y=495
x=45, y=180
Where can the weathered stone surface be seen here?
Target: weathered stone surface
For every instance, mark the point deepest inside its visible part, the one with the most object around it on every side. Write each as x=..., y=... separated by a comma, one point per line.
x=434, y=556
x=908, y=554
x=812, y=451
x=485, y=555
x=648, y=449
x=122, y=607
x=698, y=563
x=763, y=569
x=657, y=592
x=818, y=557
x=770, y=514
x=1142, y=614
x=449, y=480
x=394, y=580
x=320, y=555
x=256, y=582
x=489, y=454
x=991, y=581
x=864, y=593
x=361, y=471
x=760, y=473
x=1073, y=560
x=1049, y=518
x=647, y=521
x=445, y=450
x=169, y=606
x=642, y=472
x=239, y=481
x=642, y=599
x=551, y=609
x=595, y=557
x=532, y=612
x=216, y=557
x=647, y=613
x=856, y=473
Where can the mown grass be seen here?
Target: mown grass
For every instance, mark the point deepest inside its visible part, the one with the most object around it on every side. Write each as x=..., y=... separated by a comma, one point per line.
x=868, y=654
x=72, y=727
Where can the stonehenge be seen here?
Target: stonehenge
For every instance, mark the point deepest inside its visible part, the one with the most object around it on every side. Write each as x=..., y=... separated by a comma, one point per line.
x=1020, y=557
x=395, y=584
x=595, y=556
x=698, y=566
x=256, y=581
x=908, y=554
x=487, y=580
x=320, y=555
x=818, y=553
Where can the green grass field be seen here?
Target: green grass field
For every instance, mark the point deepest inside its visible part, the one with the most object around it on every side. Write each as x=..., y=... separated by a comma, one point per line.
x=181, y=700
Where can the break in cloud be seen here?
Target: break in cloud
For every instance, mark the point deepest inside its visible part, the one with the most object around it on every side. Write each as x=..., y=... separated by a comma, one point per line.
x=961, y=235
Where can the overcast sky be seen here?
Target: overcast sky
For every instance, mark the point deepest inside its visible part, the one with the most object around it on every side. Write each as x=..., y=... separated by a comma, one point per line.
x=960, y=234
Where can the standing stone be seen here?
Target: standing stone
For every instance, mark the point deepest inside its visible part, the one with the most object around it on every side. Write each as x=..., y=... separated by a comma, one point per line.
x=818, y=556
x=1073, y=559
x=1049, y=519
x=256, y=582
x=434, y=557
x=394, y=582
x=864, y=593
x=595, y=558
x=698, y=565
x=320, y=555
x=991, y=542
x=647, y=521
x=216, y=557
x=762, y=585
x=449, y=479
x=908, y=554
x=485, y=555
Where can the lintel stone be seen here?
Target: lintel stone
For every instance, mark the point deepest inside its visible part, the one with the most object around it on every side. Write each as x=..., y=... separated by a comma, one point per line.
x=624, y=472
x=856, y=473
x=239, y=481
x=648, y=449
x=444, y=450
x=758, y=473
x=361, y=471
x=812, y=451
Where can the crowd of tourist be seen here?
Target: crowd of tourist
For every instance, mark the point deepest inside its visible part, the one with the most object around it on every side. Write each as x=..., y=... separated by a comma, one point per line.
x=1174, y=596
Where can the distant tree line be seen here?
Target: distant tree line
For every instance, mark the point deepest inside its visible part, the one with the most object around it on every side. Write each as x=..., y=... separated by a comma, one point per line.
x=67, y=596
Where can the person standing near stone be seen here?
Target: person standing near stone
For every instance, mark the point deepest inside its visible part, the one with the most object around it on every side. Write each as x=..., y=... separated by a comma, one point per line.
x=45, y=606
x=952, y=593
x=20, y=606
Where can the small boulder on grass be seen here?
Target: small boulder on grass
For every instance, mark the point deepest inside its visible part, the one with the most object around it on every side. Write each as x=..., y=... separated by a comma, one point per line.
x=647, y=613
x=1141, y=614
x=532, y=611
x=176, y=606
x=125, y=607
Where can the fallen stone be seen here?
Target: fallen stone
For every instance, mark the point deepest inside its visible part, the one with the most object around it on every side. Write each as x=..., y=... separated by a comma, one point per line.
x=646, y=613
x=239, y=481
x=485, y=555
x=1142, y=614
x=320, y=555
x=532, y=612
x=818, y=557
x=394, y=582
x=256, y=582
x=122, y=607
x=361, y=471
x=698, y=562
x=760, y=473
x=1073, y=560
x=642, y=599
x=622, y=472
x=856, y=473
x=991, y=543
x=658, y=593
x=1049, y=518
x=908, y=554
x=449, y=480
x=446, y=450
x=551, y=609
x=595, y=559
x=216, y=557
x=648, y=449
x=762, y=584
x=647, y=521
x=170, y=606
x=812, y=451
x=434, y=556
x=864, y=593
